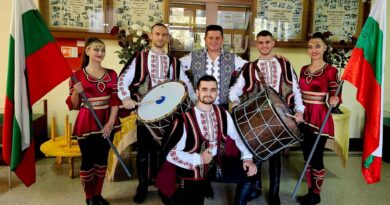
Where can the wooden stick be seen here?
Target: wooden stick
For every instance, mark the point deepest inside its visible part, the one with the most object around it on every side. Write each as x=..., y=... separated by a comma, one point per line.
x=149, y=101
x=289, y=115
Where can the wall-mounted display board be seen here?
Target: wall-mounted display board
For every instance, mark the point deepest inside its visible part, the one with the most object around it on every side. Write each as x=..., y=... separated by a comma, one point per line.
x=82, y=18
x=342, y=18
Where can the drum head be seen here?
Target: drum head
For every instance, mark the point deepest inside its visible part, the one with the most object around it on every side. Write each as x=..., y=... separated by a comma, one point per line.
x=281, y=109
x=160, y=101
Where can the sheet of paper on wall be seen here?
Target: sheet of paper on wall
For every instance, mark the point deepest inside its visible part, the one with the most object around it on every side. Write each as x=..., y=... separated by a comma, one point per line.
x=237, y=43
x=227, y=41
x=69, y=52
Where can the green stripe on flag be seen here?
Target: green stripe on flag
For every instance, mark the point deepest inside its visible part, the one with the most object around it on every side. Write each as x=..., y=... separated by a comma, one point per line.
x=371, y=41
x=16, y=156
x=368, y=161
x=10, y=92
x=35, y=30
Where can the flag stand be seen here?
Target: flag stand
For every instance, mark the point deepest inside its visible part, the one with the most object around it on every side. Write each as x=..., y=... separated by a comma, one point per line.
x=9, y=178
x=315, y=145
x=74, y=79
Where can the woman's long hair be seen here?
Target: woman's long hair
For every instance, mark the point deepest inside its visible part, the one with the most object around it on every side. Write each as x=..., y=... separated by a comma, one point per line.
x=85, y=57
x=321, y=36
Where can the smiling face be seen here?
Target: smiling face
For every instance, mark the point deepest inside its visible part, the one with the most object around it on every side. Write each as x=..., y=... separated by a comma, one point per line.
x=213, y=40
x=159, y=36
x=316, y=48
x=207, y=92
x=265, y=45
x=96, y=51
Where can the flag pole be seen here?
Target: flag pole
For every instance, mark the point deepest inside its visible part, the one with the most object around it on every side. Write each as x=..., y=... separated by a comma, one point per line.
x=315, y=144
x=74, y=79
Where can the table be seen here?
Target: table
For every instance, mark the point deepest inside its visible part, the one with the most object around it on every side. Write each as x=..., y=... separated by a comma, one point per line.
x=59, y=148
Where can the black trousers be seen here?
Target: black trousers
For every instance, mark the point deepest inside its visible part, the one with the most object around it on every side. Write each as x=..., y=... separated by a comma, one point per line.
x=147, y=150
x=309, y=138
x=94, y=151
x=193, y=192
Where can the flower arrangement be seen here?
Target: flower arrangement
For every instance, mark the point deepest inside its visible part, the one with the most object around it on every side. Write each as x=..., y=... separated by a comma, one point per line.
x=132, y=41
x=338, y=57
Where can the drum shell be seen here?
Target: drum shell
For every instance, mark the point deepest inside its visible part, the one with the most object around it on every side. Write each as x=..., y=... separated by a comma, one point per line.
x=263, y=125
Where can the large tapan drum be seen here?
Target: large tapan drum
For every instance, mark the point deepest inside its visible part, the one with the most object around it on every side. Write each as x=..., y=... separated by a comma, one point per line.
x=263, y=125
x=161, y=105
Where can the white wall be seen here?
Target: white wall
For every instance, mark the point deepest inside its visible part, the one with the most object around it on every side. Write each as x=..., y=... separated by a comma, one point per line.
x=56, y=98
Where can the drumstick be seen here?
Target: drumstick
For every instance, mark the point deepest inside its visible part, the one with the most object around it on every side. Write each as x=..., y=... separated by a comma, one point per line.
x=149, y=101
x=289, y=115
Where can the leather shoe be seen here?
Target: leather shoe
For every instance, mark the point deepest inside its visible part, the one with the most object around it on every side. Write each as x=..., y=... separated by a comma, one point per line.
x=274, y=200
x=100, y=200
x=140, y=196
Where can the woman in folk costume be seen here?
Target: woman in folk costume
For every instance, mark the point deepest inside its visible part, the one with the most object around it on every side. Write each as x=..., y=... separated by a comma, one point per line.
x=99, y=85
x=317, y=81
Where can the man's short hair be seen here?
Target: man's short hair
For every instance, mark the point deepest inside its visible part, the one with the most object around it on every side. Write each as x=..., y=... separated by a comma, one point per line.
x=159, y=24
x=264, y=33
x=214, y=28
x=206, y=78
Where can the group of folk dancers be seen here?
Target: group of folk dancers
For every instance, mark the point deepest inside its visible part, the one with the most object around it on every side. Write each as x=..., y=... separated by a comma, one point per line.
x=204, y=142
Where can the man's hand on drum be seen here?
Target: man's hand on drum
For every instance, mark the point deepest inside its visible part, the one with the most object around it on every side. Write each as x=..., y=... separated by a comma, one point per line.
x=250, y=167
x=106, y=131
x=334, y=100
x=235, y=104
x=128, y=103
x=206, y=156
x=299, y=117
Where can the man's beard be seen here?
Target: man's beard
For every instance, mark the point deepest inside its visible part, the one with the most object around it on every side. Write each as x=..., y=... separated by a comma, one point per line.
x=208, y=101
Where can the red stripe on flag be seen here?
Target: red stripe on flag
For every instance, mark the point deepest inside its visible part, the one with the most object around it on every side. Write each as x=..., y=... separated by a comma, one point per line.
x=360, y=73
x=46, y=68
x=8, y=123
x=26, y=169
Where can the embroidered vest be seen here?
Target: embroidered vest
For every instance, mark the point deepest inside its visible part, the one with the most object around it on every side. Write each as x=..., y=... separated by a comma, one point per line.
x=196, y=143
x=252, y=85
x=226, y=64
x=142, y=82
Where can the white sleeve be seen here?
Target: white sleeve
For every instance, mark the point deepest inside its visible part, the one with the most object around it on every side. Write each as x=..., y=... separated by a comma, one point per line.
x=124, y=81
x=299, y=107
x=191, y=91
x=239, y=63
x=181, y=158
x=232, y=132
x=236, y=90
x=186, y=62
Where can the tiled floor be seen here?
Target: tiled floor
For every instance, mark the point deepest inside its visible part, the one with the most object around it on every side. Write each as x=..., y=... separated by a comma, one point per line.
x=341, y=187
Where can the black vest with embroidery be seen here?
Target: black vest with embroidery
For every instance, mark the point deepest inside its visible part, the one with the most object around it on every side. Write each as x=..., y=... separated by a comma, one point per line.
x=196, y=143
x=252, y=85
x=142, y=83
x=227, y=67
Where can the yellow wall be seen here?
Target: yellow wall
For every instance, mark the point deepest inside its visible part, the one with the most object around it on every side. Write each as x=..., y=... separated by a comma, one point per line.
x=56, y=98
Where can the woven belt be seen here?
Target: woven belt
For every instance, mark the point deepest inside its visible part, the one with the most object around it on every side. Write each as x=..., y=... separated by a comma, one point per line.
x=98, y=102
x=314, y=97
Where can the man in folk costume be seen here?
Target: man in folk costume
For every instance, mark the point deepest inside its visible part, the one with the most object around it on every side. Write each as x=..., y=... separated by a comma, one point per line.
x=149, y=68
x=214, y=61
x=222, y=65
x=197, y=144
x=279, y=75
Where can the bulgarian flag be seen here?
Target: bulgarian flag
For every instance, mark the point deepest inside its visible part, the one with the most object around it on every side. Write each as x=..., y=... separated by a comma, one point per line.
x=35, y=66
x=365, y=70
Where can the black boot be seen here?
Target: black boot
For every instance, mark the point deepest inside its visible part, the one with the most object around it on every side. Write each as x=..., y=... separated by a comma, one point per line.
x=306, y=196
x=311, y=199
x=92, y=201
x=243, y=191
x=209, y=192
x=274, y=179
x=256, y=191
x=100, y=200
x=143, y=183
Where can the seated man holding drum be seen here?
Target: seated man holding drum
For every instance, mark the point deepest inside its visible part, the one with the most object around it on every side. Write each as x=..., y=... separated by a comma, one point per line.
x=279, y=75
x=149, y=68
x=197, y=144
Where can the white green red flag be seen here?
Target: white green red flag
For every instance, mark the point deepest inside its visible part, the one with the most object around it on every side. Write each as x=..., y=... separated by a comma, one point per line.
x=365, y=70
x=35, y=66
